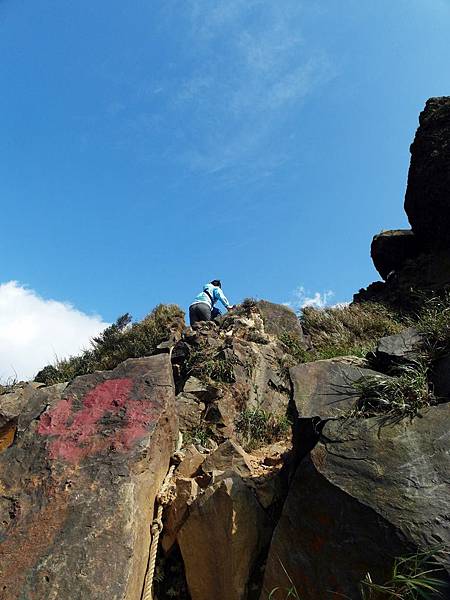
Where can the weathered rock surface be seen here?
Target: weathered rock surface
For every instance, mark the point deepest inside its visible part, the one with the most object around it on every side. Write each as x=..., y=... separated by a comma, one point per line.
x=78, y=484
x=325, y=388
x=365, y=495
x=427, y=200
x=228, y=456
x=221, y=541
x=279, y=319
x=391, y=249
x=398, y=349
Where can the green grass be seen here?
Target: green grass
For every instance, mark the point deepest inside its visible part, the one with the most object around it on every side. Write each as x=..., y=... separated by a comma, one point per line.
x=210, y=365
x=395, y=397
x=433, y=322
x=198, y=435
x=116, y=343
x=348, y=330
x=257, y=427
x=414, y=577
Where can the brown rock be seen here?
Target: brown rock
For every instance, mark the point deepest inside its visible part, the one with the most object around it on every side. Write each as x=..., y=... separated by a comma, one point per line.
x=191, y=462
x=228, y=456
x=221, y=541
x=78, y=484
x=186, y=492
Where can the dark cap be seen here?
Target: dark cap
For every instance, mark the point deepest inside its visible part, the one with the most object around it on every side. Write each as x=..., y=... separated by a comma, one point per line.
x=216, y=282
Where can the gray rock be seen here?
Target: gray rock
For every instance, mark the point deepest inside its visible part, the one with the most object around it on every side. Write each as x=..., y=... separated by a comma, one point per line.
x=399, y=349
x=365, y=495
x=228, y=456
x=325, y=388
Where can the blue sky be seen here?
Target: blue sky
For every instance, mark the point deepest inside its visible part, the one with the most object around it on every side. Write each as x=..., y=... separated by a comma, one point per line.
x=149, y=146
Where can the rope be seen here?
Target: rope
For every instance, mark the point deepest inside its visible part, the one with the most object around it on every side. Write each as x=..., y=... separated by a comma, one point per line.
x=164, y=497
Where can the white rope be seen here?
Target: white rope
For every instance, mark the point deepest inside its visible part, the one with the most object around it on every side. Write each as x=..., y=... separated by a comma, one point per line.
x=163, y=498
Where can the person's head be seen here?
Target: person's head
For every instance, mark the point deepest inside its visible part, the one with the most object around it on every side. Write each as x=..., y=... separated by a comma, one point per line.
x=217, y=283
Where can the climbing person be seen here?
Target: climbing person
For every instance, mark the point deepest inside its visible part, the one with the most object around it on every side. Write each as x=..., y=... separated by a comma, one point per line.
x=202, y=308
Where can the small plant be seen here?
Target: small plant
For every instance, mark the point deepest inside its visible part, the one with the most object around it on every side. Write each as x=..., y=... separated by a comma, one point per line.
x=403, y=395
x=210, y=364
x=257, y=427
x=8, y=386
x=198, y=435
x=413, y=578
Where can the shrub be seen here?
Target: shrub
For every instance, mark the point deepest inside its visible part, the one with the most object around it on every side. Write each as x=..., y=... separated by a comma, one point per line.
x=395, y=397
x=353, y=329
x=257, y=427
x=116, y=343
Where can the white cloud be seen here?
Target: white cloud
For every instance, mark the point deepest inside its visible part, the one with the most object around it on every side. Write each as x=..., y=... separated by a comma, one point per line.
x=34, y=331
x=301, y=298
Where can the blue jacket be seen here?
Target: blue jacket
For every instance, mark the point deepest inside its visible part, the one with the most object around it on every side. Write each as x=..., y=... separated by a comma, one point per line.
x=216, y=294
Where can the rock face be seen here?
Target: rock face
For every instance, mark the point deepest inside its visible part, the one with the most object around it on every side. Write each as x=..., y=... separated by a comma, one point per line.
x=77, y=487
x=324, y=388
x=366, y=494
x=427, y=200
x=391, y=249
x=419, y=259
x=221, y=541
x=394, y=350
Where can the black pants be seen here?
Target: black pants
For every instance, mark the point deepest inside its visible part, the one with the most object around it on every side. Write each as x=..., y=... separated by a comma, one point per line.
x=199, y=312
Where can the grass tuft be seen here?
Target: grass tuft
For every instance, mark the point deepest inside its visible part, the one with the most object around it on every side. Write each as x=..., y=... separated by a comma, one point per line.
x=257, y=427
x=403, y=395
x=413, y=577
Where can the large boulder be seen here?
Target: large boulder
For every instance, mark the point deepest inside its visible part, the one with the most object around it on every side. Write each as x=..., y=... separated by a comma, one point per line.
x=391, y=249
x=427, y=200
x=366, y=494
x=279, y=319
x=78, y=484
x=221, y=540
x=325, y=388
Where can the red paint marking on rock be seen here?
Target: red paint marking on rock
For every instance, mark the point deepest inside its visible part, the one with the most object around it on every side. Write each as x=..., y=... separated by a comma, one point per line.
x=77, y=434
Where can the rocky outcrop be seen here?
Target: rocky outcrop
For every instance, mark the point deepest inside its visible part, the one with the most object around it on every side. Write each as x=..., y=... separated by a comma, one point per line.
x=391, y=249
x=427, y=200
x=78, y=484
x=366, y=494
x=419, y=260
